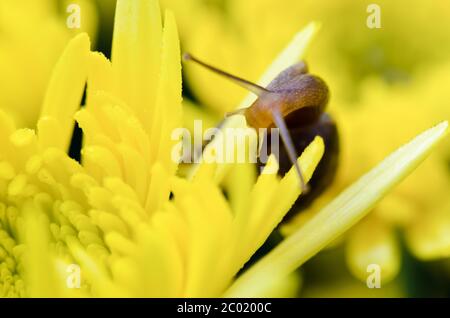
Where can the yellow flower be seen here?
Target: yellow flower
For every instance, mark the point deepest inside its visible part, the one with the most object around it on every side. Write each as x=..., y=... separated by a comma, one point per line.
x=111, y=220
x=361, y=71
x=112, y=215
x=33, y=36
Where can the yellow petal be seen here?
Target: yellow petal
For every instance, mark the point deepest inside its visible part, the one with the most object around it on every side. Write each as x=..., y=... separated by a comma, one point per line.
x=158, y=190
x=64, y=93
x=272, y=200
x=239, y=183
x=100, y=77
x=136, y=55
x=40, y=269
x=338, y=216
x=167, y=115
x=160, y=260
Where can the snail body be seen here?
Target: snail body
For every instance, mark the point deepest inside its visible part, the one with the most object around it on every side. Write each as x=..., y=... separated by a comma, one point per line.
x=294, y=102
x=299, y=97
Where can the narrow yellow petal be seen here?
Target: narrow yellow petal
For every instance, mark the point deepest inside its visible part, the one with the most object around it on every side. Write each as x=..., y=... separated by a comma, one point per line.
x=105, y=161
x=108, y=222
x=272, y=200
x=65, y=91
x=94, y=273
x=136, y=55
x=100, y=77
x=40, y=269
x=204, y=221
x=160, y=262
x=167, y=115
x=343, y=212
x=158, y=190
x=288, y=190
x=51, y=133
x=7, y=127
x=239, y=183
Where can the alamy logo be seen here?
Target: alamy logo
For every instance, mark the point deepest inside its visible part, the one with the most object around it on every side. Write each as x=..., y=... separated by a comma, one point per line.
x=73, y=279
x=74, y=19
x=374, y=279
x=374, y=19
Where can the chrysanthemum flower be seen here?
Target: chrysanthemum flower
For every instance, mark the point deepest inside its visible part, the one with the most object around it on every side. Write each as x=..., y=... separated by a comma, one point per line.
x=112, y=216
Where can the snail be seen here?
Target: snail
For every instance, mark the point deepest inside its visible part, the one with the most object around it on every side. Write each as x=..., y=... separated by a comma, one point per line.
x=294, y=102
